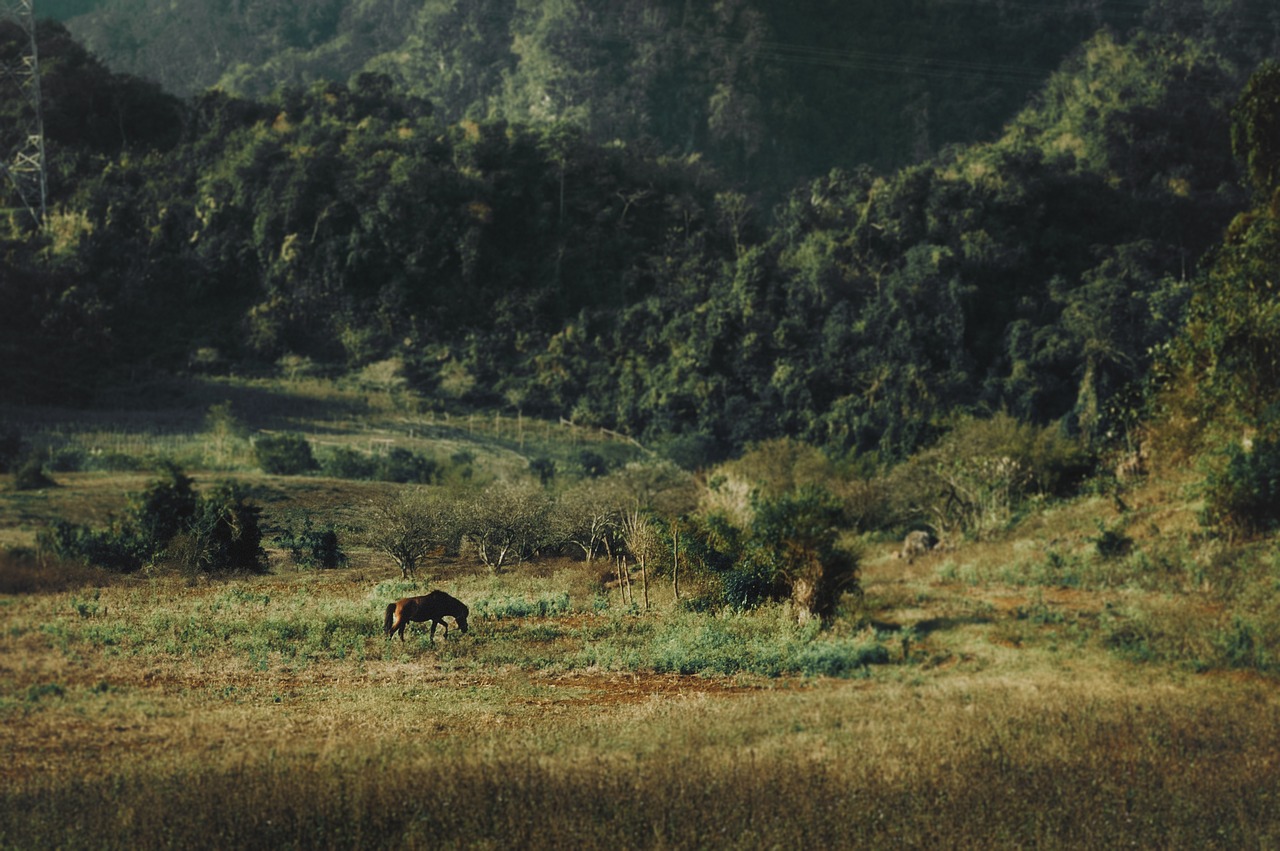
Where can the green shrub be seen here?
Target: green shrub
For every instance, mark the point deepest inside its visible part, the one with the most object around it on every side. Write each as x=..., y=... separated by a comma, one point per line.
x=119, y=549
x=766, y=642
x=284, y=455
x=166, y=507
x=1244, y=493
x=542, y=606
x=224, y=534
x=796, y=535
x=592, y=464
x=311, y=547
x=30, y=475
x=11, y=447
x=1111, y=542
x=1243, y=645
x=840, y=657
x=394, y=589
x=114, y=462
x=1131, y=635
x=405, y=467
x=398, y=465
x=543, y=468
x=749, y=584
x=346, y=463
x=68, y=459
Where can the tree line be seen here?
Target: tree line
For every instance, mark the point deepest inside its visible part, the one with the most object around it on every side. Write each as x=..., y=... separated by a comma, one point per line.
x=626, y=285
x=767, y=90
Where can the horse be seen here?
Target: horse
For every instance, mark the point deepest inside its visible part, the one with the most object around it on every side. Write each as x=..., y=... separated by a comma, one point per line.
x=434, y=607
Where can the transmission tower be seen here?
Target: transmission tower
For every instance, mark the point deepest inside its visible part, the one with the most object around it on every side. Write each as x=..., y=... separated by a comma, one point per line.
x=23, y=139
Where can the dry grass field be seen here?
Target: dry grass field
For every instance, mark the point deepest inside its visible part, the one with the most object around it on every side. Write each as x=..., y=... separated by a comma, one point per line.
x=270, y=711
x=1008, y=693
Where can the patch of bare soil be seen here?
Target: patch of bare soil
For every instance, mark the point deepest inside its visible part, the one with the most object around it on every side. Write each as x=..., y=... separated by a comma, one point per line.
x=611, y=689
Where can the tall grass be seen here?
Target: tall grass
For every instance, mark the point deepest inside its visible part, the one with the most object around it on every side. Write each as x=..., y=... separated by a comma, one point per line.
x=1201, y=607
x=762, y=643
x=1001, y=767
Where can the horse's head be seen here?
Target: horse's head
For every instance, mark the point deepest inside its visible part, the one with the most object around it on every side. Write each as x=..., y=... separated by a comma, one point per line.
x=461, y=618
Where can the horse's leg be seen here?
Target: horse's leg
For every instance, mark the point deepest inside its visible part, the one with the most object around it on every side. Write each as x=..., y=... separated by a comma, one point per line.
x=434, y=623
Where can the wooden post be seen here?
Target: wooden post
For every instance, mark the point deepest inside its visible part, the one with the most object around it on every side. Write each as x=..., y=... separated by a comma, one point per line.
x=644, y=583
x=675, y=559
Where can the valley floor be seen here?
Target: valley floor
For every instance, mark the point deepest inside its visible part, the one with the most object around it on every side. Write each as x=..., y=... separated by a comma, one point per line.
x=158, y=710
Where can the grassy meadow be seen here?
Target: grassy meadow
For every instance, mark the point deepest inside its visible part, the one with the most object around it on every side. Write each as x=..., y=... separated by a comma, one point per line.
x=1016, y=691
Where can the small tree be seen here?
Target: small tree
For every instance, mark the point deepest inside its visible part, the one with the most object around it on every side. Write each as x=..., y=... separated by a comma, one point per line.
x=658, y=486
x=588, y=517
x=386, y=376
x=976, y=478
x=544, y=469
x=1243, y=495
x=508, y=522
x=224, y=431
x=30, y=475
x=406, y=467
x=170, y=522
x=407, y=527
x=796, y=534
x=165, y=508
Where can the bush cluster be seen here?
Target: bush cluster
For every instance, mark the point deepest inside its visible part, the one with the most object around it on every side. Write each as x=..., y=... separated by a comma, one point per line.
x=284, y=455
x=978, y=478
x=17, y=457
x=292, y=455
x=169, y=521
x=397, y=465
x=11, y=446
x=311, y=547
x=1244, y=493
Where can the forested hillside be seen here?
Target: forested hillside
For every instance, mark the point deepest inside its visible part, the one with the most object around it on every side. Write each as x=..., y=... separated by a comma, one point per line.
x=611, y=259
x=772, y=92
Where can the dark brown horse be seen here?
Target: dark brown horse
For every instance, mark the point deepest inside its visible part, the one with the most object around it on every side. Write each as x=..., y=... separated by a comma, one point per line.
x=434, y=607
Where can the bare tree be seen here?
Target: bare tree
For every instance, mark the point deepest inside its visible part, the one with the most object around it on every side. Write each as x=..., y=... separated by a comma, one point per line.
x=658, y=486
x=407, y=526
x=643, y=542
x=588, y=516
x=508, y=522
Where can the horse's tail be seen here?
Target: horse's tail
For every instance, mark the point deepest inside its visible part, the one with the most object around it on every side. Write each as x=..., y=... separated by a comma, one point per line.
x=391, y=615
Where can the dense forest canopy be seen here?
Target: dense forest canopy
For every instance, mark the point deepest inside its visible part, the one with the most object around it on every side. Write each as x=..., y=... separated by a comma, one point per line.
x=669, y=219
x=774, y=92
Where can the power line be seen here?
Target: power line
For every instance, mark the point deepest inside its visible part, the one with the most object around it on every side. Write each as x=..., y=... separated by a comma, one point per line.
x=25, y=163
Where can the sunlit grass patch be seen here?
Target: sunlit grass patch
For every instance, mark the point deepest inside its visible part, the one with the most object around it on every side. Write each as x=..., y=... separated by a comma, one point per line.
x=520, y=606
x=758, y=643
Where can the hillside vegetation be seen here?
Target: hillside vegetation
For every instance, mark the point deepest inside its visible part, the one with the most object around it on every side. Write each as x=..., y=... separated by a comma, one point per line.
x=772, y=92
x=624, y=284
